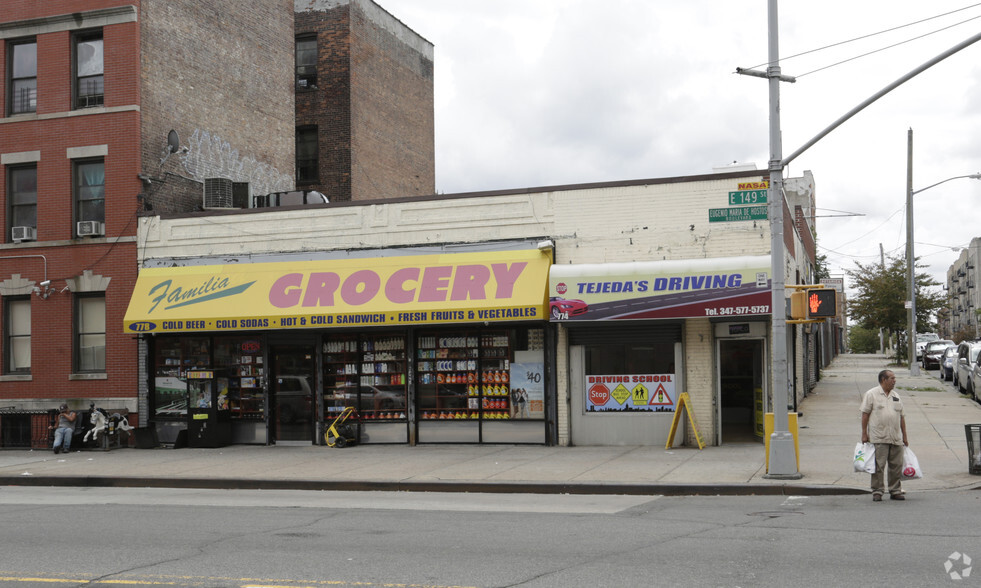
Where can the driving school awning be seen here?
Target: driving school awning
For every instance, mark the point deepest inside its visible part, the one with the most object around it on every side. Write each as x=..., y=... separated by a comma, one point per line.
x=689, y=288
x=384, y=291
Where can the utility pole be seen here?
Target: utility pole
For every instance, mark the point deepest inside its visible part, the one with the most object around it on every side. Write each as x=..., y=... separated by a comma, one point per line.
x=914, y=369
x=882, y=265
x=782, y=454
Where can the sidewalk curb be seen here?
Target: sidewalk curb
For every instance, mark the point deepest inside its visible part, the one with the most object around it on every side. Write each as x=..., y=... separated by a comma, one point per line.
x=436, y=486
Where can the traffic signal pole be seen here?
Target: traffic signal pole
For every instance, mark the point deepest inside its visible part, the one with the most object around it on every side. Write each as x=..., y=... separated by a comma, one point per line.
x=782, y=455
x=782, y=459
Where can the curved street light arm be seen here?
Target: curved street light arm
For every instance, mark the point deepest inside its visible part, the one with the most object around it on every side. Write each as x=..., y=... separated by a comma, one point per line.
x=976, y=176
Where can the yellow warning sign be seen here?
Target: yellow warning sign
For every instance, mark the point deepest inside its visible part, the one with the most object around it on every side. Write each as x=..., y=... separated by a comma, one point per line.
x=620, y=393
x=640, y=395
x=660, y=397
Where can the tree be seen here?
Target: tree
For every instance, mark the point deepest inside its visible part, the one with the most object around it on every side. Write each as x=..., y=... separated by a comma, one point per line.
x=821, y=267
x=881, y=297
x=861, y=340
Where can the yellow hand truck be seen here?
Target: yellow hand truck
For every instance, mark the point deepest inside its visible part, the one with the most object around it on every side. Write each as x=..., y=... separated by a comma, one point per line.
x=340, y=433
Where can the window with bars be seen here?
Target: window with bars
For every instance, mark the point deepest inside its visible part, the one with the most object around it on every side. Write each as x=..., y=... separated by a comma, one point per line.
x=22, y=82
x=88, y=70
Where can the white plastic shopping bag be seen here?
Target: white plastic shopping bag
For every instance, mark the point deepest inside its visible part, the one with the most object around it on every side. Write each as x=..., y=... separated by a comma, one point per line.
x=864, y=458
x=911, y=466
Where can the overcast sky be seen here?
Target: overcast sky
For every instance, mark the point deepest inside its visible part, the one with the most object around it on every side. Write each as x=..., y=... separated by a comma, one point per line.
x=543, y=92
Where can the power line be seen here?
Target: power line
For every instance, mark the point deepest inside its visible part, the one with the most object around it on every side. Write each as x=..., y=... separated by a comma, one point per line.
x=845, y=42
x=887, y=47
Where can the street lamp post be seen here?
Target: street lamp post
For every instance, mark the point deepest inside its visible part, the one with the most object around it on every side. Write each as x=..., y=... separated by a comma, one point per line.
x=914, y=369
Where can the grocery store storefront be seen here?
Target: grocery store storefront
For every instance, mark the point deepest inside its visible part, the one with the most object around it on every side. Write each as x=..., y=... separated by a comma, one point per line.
x=639, y=334
x=429, y=348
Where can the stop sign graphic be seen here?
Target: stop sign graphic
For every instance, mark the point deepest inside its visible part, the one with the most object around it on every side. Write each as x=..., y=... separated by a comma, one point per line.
x=599, y=394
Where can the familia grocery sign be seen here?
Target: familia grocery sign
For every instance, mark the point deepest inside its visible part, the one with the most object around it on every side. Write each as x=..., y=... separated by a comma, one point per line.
x=727, y=286
x=376, y=291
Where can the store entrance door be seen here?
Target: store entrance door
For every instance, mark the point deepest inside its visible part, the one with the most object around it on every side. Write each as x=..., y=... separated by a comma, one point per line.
x=741, y=400
x=291, y=389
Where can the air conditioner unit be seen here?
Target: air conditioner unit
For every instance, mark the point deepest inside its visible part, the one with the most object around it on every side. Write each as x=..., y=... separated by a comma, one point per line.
x=18, y=234
x=218, y=193
x=90, y=229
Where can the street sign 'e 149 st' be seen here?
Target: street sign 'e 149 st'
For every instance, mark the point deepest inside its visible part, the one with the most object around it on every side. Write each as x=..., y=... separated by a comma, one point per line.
x=747, y=197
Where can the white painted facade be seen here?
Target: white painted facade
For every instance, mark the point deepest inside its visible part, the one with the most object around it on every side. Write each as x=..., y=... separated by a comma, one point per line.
x=654, y=220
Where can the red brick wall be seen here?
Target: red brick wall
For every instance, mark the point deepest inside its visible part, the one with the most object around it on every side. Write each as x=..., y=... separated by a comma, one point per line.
x=393, y=151
x=329, y=105
x=56, y=255
x=373, y=105
x=220, y=73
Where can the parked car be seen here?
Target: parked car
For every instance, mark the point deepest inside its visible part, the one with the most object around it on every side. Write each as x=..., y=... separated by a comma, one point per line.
x=933, y=351
x=947, y=363
x=974, y=382
x=967, y=356
x=921, y=341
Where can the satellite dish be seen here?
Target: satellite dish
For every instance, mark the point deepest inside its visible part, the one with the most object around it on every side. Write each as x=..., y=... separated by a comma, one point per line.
x=173, y=141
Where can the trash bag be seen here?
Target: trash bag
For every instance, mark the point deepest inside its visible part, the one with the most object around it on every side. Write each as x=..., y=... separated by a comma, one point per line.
x=863, y=459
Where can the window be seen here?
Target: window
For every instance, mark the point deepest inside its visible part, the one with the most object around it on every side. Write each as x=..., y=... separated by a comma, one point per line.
x=306, y=63
x=23, y=77
x=88, y=83
x=17, y=334
x=306, y=154
x=90, y=334
x=22, y=190
x=90, y=191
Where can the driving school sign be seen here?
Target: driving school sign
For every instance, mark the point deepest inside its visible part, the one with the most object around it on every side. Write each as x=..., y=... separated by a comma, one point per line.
x=684, y=288
x=630, y=393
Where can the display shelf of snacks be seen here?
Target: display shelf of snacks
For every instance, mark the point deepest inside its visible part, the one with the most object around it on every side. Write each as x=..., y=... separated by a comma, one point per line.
x=367, y=372
x=463, y=376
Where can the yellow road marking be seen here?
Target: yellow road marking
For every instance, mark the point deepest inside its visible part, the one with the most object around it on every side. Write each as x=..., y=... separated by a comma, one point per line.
x=197, y=581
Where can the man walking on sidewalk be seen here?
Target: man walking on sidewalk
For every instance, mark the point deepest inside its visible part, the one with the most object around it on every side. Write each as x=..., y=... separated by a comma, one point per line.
x=884, y=425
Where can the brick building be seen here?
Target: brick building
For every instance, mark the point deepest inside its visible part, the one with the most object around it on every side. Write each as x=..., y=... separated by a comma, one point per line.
x=109, y=107
x=364, y=103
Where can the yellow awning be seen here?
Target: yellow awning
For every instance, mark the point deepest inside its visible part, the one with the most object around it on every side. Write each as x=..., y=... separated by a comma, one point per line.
x=383, y=291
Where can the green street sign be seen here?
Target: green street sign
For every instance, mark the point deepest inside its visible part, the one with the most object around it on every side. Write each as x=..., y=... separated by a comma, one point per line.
x=742, y=213
x=747, y=197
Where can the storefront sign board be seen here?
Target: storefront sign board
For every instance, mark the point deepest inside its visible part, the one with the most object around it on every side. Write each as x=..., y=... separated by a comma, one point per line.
x=690, y=288
x=445, y=288
x=630, y=393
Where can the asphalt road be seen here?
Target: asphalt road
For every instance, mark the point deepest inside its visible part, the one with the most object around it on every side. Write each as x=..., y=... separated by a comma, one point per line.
x=165, y=537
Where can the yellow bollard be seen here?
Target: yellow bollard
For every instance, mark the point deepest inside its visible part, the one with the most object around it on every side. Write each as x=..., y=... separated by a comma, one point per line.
x=768, y=426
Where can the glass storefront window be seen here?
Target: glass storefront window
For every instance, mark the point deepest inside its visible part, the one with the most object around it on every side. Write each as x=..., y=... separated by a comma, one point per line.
x=367, y=372
x=486, y=374
x=240, y=376
x=174, y=357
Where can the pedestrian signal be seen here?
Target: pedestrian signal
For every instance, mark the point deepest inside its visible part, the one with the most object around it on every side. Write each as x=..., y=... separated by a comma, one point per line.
x=822, y=303
x=798, y=305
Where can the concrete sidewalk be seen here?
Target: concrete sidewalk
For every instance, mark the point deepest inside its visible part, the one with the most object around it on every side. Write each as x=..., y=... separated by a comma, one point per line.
x=829, y=429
